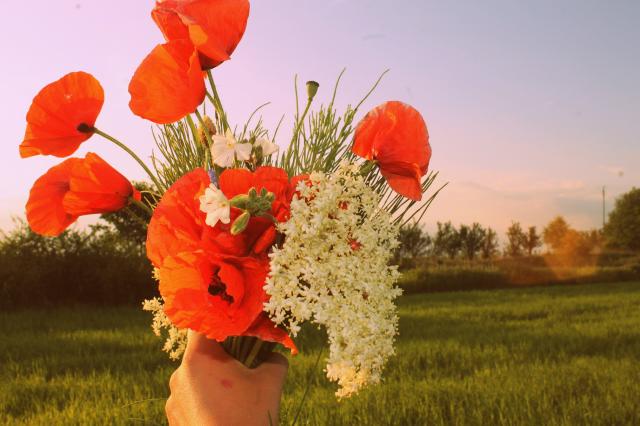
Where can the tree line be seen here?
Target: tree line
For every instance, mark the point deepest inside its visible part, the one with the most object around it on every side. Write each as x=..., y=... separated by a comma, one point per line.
x=562, y=241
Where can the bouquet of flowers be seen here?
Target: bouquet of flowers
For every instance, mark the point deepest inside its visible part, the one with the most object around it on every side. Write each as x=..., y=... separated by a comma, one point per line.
x=248, y=239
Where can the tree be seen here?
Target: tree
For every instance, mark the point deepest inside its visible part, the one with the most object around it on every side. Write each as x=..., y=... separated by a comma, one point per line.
x=532, y=240
x=489, y=244
x=471, y=239
x=515, y=240
x=447, y=240
x=555, y=232
x=575, y=247
x=414, y=242
x=623, y=229
x=568, y=246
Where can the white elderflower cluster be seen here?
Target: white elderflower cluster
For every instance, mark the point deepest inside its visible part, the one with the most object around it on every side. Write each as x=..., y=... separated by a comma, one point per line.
x=333, y=270
x=176, y=341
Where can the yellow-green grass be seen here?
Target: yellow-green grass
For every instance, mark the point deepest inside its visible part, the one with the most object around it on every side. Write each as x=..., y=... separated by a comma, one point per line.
x=554, y=355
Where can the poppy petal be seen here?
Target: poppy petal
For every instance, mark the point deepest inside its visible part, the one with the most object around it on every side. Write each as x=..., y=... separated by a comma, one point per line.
x=273, y=179
x=263, y=328
x=404, y=179
x=235, y=181
x=395, y=135
x=177, y=223
x=185, y=285
x=170, y=24
x=57, y=112
x=215, y=26
x=45, y=213
x=169, y=84
x=96, y=187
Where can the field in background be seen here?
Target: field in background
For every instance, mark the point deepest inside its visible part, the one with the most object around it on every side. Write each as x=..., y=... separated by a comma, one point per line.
x=556, y=355
x=432, y=274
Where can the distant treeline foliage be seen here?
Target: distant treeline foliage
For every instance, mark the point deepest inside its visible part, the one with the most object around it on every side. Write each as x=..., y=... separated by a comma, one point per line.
x=106, y=264
x=96, y=266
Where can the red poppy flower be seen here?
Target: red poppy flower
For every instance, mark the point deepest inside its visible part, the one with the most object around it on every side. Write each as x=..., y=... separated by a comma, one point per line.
x=219, y=296
x=215, y=27
x=74, y=188
x=96, y=187
x=211, y=281
x=169, y=84
x=178, y=224
x=261, y=232
x=58, y=112
x=395, y=136
x=45, y=213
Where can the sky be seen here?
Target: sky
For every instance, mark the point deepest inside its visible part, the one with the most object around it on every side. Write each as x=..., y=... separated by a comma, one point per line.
x=532, y=106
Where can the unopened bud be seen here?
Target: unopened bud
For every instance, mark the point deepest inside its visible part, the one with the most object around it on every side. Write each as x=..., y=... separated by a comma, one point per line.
x=239, y=201
x=312, y=89
x=240, y=224
x=206, y=128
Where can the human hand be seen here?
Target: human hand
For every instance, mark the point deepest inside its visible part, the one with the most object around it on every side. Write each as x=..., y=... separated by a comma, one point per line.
x=212, y=388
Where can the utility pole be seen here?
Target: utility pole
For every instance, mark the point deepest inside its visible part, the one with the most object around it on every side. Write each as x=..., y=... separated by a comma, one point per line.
x=603, y=207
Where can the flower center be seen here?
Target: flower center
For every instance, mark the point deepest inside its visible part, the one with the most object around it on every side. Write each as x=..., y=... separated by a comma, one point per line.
x=219, y=289
x=85, y=128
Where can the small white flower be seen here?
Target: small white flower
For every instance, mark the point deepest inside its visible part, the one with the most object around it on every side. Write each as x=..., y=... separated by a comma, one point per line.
x=176, y=338
x=224, y=149
x=215, y=205
x=267, y=146
x=318, y=276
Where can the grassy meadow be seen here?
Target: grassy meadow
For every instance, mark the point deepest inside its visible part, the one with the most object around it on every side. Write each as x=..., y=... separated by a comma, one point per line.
x=547, y=355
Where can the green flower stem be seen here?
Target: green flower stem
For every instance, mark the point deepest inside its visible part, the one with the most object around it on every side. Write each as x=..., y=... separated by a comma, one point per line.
x=253, y=353
x=217, y=103
x=131, y=153
x=192, y=127
x=142, y=205
x=207, y=156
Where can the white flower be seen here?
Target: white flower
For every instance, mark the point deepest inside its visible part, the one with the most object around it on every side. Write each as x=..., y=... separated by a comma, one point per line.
x=267, y=146
x=225, y=149
x=176, y=340
x=333, y=270
x=215, y=205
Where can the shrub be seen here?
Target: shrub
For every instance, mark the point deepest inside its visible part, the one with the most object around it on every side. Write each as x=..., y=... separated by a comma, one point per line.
x=92, y=267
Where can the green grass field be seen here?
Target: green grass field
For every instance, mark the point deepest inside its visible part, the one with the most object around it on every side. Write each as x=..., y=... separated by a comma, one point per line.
x=557, y=355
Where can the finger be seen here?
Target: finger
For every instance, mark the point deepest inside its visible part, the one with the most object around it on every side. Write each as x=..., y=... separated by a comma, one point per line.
x=173, y=380
x=199, y=345
x=168, y=409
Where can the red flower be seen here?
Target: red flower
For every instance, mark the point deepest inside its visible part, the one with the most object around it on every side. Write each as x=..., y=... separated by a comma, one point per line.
x=211, y=281
x=395, y=136
x=178, y=224
x=215, y=27
x=57, y=113
x=96, y=187
x=74, y=188
x=261, y=232
x=169, y=84
x=219, y=296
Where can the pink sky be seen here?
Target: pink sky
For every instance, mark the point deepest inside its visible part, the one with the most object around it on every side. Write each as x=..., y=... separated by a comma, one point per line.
x=532, y=107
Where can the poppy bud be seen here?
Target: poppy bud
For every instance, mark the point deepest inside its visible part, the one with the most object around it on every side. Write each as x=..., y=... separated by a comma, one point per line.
x=240, y=224
x=239, y=201
x=312, y=89
x=206, y=128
